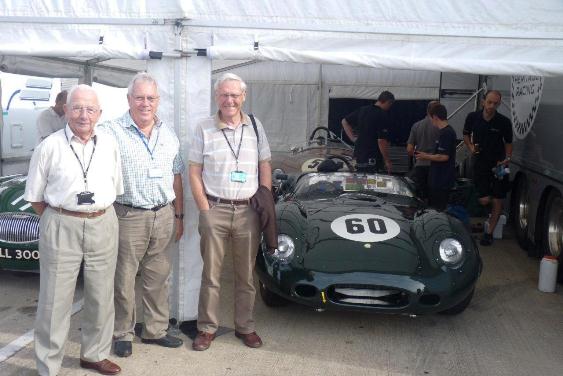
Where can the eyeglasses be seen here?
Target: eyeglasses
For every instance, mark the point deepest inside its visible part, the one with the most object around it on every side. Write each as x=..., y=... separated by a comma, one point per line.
x=77, y=110
x=142, y=99
x=226, y=96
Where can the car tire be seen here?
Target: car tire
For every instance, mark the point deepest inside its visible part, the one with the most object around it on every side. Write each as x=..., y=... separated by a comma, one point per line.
x=270, y=298
x=460, y=307
x=552, y=231
x=520, y=213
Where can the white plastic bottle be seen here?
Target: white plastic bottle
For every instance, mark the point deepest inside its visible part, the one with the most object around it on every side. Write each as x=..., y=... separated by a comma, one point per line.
x=548, y=274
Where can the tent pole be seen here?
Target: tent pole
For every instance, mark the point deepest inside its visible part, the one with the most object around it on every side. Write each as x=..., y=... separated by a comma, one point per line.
x=320, y=95
x=1, y=132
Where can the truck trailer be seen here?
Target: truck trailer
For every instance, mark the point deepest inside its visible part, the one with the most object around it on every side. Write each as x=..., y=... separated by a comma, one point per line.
x=536, y=199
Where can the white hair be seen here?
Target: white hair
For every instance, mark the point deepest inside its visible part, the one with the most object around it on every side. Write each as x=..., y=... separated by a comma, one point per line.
x=141, y=77
x=79, y=87
x=229, y=77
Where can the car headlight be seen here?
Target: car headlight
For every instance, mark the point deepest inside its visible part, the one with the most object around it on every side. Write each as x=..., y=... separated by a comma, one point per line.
x=451, y=251
x=285, y=250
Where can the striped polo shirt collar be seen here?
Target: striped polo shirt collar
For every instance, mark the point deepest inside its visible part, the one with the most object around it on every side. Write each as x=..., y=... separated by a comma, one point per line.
x=222, y=125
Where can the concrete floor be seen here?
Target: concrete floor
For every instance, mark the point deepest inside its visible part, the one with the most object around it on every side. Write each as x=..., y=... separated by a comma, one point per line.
x=509, y=329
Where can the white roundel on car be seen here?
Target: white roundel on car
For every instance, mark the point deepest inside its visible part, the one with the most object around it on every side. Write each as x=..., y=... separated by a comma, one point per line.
x=365, y=227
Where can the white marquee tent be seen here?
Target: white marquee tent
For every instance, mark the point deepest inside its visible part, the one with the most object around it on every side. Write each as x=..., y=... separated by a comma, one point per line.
x=108, y=40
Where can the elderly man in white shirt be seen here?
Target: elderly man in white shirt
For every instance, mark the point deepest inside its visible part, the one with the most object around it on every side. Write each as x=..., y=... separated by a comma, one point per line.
x=73, y=180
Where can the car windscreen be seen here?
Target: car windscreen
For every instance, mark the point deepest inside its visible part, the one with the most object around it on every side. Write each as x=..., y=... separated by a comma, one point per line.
x=333, y=184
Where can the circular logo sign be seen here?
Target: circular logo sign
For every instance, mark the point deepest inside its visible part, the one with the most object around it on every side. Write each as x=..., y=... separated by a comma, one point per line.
x=525, y=95
x=311, y=165
x=365, y=227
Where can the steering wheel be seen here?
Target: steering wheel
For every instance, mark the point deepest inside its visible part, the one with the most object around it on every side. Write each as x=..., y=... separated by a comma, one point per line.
x=329, y=134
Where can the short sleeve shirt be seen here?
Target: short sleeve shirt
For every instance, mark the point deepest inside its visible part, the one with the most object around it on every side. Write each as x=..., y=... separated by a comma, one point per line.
x=491, y=136
x=149, y=165
x=210, y=149
x=56, y=171
x=442, y=174
x=370, y=123
x=49, y=122
x=424, y=136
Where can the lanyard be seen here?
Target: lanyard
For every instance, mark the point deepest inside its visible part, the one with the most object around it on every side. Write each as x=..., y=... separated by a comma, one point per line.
x=84, y=172
x=146, y=143
x=231, y=147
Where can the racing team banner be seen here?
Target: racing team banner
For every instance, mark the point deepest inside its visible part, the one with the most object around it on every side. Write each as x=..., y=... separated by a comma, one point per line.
x=525, y=95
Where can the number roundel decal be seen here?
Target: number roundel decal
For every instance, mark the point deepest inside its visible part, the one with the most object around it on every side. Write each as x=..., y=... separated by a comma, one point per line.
x=365, y=227
x=311, y=164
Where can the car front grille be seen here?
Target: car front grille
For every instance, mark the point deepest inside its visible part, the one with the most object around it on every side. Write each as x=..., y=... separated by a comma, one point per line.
x=368, y=295
x=19, y=228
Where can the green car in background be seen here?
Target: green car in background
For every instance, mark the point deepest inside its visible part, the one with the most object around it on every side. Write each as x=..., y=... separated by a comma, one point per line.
x=19, y=227
x=357, y=241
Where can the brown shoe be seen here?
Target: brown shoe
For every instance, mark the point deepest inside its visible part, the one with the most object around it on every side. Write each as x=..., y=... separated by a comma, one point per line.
x=202, y=341
x=250, y=339
x=105, y=367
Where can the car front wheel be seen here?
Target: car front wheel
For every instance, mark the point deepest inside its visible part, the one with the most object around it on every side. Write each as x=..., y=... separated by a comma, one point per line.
x=270, y=298
x=460, y=307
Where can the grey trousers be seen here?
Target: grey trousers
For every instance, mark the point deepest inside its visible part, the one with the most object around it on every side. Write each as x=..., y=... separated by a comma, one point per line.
x=144, y=236
x=64, y=242
x=235, y=230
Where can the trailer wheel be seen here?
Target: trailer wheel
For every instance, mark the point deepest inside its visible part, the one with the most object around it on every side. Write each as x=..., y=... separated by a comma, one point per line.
x=520, y=213
x=552, y=239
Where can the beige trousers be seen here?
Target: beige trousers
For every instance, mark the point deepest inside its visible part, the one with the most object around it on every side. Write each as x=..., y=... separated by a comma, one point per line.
x=64, y=242
x=144, y=236
x=235, y=230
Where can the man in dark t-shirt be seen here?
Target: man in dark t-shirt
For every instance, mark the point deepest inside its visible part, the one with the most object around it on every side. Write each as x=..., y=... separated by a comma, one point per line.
x=488, y=135
x=442, y=161
x=368, y=127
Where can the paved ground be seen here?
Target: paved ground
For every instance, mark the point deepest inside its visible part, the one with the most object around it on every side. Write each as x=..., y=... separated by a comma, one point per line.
x=509, y=329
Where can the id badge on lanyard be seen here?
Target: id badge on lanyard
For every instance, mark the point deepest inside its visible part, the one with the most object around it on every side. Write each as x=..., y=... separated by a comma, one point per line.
x=236, y=176
x=154, y=172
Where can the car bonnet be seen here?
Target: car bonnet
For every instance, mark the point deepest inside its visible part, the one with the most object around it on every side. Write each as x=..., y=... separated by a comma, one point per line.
x=357, y=236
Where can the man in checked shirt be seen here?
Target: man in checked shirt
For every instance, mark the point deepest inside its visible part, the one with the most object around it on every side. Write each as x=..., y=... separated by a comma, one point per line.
x=150, y=214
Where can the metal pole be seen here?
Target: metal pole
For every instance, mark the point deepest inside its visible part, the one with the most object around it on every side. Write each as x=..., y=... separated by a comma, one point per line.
x=464, y=103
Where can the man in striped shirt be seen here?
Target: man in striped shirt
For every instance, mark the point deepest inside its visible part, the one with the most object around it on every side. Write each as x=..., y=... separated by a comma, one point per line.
x=228, y=161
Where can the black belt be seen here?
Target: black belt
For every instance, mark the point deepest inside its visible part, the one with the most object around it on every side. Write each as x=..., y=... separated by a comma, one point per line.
x=154, y=208
x=227, y=201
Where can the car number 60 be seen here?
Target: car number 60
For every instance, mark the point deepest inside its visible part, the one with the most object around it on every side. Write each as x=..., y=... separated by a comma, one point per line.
x=365, y=227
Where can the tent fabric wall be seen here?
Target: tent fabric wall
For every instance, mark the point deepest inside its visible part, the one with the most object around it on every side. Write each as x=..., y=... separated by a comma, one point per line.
x=114, y=11
x=292, y=99
x=195, y=83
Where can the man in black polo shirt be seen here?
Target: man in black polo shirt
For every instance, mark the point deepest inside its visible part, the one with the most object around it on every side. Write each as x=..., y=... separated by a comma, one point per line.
x=442, y=162
x=488, y=135
x=368, y=127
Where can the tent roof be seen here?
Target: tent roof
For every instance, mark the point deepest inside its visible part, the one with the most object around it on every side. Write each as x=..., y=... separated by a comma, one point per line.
x=516, y=37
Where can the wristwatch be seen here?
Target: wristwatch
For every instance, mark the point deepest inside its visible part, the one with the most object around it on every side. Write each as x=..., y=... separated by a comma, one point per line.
x=179, y=216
